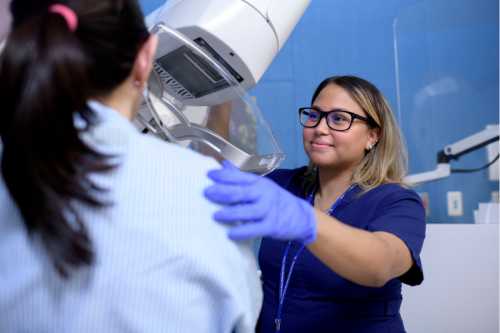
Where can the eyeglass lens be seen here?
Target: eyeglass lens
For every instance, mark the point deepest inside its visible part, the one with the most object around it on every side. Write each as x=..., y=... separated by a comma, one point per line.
x=337, y=120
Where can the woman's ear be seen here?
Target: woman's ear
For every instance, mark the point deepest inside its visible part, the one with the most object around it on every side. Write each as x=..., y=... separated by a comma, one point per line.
x=373, y=138
x=144, y=60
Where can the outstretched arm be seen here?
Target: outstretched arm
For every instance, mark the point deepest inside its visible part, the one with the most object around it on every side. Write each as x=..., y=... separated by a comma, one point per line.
x=218, y=122
x=367, y=258
x=363, y=257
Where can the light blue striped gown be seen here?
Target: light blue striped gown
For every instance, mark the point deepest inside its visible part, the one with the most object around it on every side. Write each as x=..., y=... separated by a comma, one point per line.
x=162, y=263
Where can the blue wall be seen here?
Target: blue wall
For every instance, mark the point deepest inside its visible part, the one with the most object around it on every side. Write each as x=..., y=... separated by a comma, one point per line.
x=448, y=65
x=356, y=38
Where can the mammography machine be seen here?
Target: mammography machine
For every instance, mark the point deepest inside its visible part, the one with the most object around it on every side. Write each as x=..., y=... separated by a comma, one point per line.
x=212, y=52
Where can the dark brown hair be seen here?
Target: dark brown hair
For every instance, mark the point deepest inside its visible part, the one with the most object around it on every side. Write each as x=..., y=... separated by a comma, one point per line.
x=47, y=76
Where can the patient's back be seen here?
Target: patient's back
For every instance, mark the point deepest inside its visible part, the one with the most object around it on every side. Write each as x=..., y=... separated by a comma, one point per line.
x=162, y=264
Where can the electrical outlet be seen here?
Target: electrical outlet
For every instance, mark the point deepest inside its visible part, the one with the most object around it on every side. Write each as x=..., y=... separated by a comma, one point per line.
x=455, y=203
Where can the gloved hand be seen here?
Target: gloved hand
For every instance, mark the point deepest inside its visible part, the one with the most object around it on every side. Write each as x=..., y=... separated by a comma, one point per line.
x=266, y=209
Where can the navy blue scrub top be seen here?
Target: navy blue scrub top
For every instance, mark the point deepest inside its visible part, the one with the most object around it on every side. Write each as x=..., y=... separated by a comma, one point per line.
x=319, y=300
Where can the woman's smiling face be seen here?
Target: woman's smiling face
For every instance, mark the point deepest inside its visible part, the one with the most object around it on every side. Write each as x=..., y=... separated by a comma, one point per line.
x=335, y=150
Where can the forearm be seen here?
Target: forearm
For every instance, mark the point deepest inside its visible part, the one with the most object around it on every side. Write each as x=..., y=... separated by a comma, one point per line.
x=357, y=255
x=218, y=122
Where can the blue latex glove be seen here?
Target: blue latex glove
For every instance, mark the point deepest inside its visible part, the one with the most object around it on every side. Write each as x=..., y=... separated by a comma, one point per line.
x=267, y=209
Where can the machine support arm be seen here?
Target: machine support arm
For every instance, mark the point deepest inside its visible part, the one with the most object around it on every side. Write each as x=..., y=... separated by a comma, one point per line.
x=453, y=152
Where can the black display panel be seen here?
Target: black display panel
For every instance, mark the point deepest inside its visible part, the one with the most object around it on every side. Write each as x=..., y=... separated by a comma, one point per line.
x=193, y=72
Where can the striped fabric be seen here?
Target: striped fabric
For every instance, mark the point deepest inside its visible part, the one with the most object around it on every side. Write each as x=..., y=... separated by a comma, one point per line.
x=162, y=263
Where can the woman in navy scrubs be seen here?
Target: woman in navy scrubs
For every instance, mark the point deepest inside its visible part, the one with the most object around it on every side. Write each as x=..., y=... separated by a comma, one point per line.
x=338, y=265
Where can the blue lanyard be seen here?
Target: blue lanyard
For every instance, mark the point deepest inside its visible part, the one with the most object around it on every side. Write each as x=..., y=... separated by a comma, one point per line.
x=283, y=290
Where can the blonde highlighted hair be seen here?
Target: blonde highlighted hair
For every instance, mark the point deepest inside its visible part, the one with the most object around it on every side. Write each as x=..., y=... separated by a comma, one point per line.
x=387, y=161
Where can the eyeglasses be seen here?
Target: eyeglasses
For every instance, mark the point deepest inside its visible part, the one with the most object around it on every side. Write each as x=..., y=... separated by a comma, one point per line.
x=337, y=120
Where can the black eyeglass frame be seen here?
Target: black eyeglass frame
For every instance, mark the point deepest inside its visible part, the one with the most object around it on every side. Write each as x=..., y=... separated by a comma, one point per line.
x=326, y=113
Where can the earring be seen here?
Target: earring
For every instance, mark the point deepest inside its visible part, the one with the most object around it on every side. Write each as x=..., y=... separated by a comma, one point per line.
x=371, y=147
x=138, y=83
x=376, y=141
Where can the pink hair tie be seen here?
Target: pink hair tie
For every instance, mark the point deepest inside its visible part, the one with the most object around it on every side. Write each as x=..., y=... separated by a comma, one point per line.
x=68, y=14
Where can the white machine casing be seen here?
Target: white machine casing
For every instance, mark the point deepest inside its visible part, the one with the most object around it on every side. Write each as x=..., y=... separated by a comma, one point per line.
x=211, y=52
x=246, y=35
